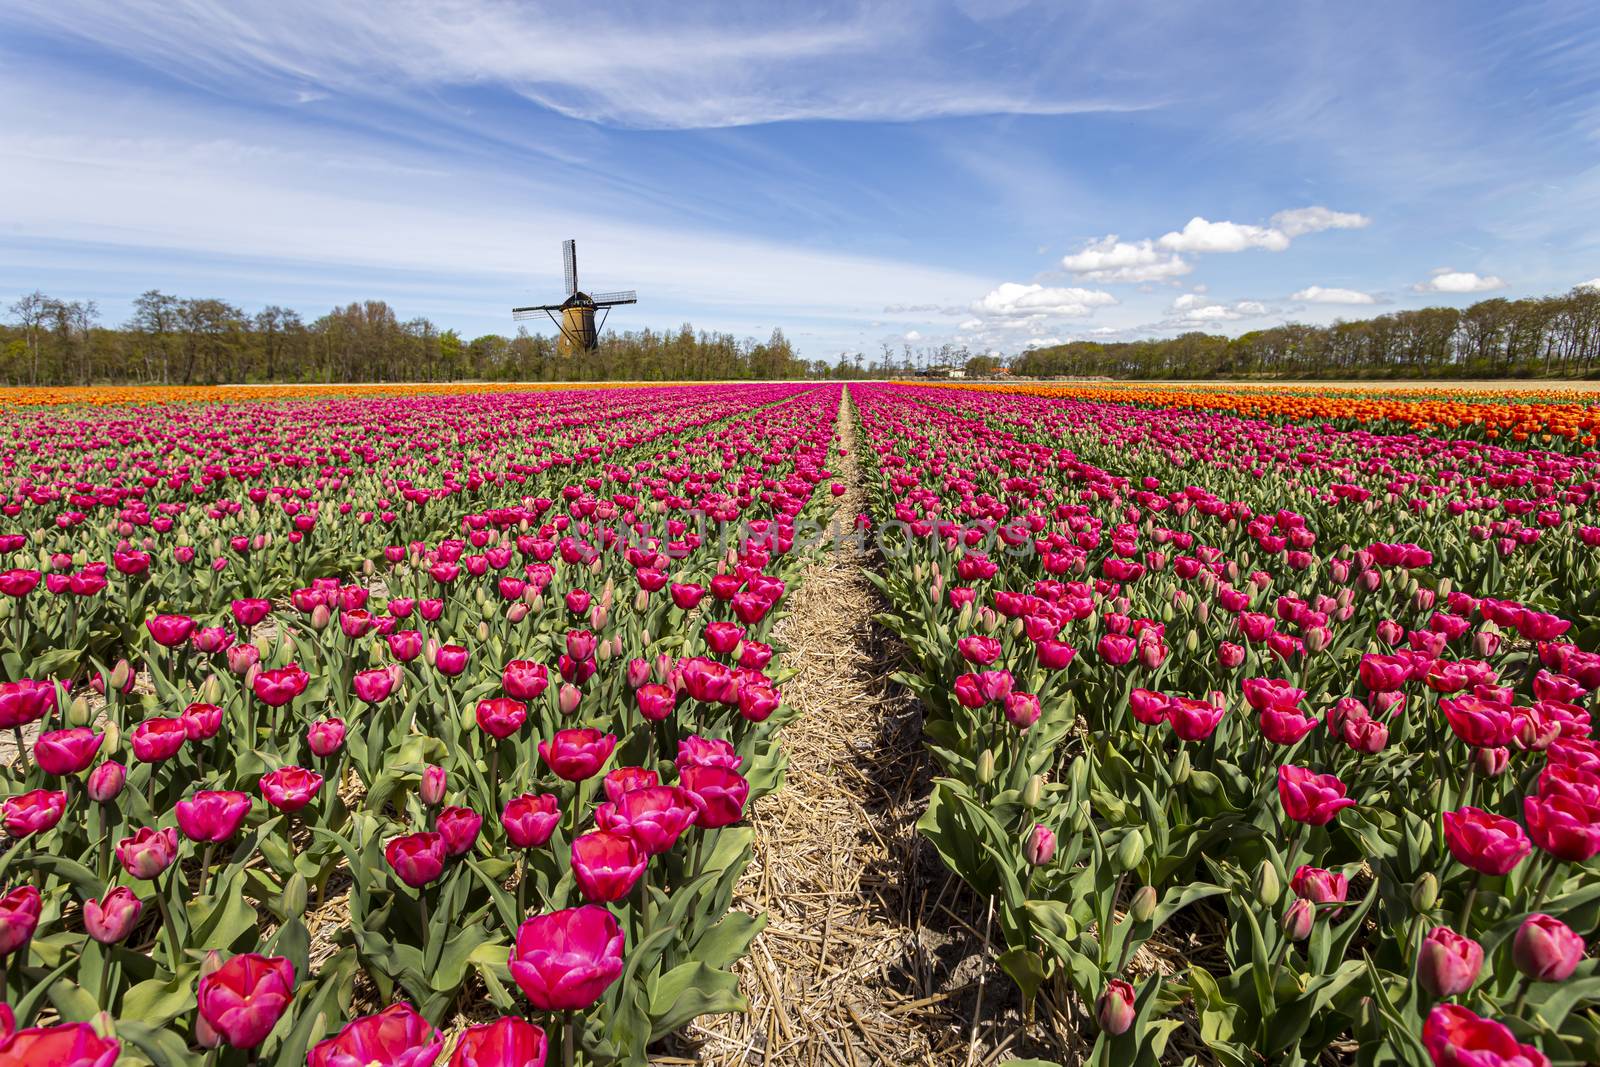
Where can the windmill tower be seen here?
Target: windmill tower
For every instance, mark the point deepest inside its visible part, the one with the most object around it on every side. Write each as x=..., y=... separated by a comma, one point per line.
x=576, y=322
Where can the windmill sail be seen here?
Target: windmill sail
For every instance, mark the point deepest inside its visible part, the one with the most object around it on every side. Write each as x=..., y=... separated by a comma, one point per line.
x=622, y=296
x=569, y=257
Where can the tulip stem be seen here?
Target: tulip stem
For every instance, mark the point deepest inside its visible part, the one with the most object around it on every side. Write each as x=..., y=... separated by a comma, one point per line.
x=1465, y=922
x=205, y=868
x=22, y=749
x=494, y=774
x=566, y=1039
x=422, y=907
x=166, y=924
x=1544, y=885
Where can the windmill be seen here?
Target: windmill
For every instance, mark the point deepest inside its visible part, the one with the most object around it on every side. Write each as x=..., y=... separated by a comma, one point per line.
x=577, y=325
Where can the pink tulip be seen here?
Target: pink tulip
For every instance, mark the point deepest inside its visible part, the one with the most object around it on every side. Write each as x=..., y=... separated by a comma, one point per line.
x=244, y=998
x=529, y=820
x=565, y=961
x=1546, y=949
x=112, y=918
x=395, y=1037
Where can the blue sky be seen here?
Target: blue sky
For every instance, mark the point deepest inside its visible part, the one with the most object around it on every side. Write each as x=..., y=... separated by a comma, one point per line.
x=994, y=174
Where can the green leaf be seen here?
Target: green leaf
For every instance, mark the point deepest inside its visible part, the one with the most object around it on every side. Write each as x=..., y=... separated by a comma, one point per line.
x=688, y=990
x=157, y=1002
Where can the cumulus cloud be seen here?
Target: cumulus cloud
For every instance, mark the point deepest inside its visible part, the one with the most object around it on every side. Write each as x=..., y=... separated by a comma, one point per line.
x=971, y=324
x=1446, y=280
x=1202, y=235
x=1317, y=294
x=1111, y=260
x=1013, y=299
x=1300, y=221
x=1193, y=310
x=1592, y=283
x=913, y=335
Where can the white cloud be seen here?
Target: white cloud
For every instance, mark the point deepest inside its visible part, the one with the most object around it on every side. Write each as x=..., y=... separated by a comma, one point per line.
x=971, y=324
x=1042, y=342
x=1445, y=280
x=1012, y=299
x=913, y=335
x=1202, y=235
x=660, y=67
x=1194, y=311
x=1111, y=260
x=1592, y=283
x=1316, y=294
x=1299, y=221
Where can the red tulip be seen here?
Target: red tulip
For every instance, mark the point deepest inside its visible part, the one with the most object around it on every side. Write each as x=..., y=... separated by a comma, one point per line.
x=33, y=812
x=212, y=814
x=64, y=752
x=450, y=660
x=157, y=739
x=1040, y=846
x=325, y=737
x=250, y=611
x=148, y=852
x=416, y=858
x=170, y=631
x=1546, y=949
x=624, y=779
x=1193, y=720
x=374, y=685
x=606, y=865
x=1309, y=797
x=524, y=680
x=1264, y=693
x=501, y=717
x=244, y=998
x=404, y=645
x=19, y=917
x=718, y=792
x=1563, y=826
x=1489, y=844
x=1320, y=886
x=1285, y=725
x=278, y=687
x=290, y=788
x=655, y=701
x=200, y=721
x=1458, y=1037
x=395, y=1037
x=67, y=1045
x=25, y=701
x=565, y=961
x=654, y=816
x=113, y=917
x=459, y=828
x=577, y=754
x=529, y=820
x=697, y=751
x=506, y=1042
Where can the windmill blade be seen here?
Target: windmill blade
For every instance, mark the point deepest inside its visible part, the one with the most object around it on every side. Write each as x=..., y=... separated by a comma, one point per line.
x=621, y=296
x=534, y=312
x=569, y=259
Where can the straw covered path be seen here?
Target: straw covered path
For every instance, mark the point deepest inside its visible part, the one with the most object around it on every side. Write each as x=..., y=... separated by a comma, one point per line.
x=844, y=973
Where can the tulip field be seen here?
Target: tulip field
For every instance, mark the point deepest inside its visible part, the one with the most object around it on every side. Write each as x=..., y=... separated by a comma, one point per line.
x=428, y=726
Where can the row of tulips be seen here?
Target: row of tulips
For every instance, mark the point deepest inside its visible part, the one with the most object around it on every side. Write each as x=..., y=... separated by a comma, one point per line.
x=1323, y=685
x=498, y=766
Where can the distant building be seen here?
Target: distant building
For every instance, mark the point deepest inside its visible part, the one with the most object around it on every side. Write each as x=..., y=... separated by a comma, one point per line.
x=942, y=370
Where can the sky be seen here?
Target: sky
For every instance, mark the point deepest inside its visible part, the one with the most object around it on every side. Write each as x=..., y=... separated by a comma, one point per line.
x=985, y=173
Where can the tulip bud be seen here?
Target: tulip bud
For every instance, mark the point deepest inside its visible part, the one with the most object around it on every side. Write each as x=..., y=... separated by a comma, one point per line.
x=106, y=782
x=1115, y=1010
x=1143, y=904
x=320, y=617
x=121, y=674
x=516, y=612
x=986, y=767
x=1448, y=963
x=433, y=785
x=1268, y=887
x=1129, y=852
x=1425, y=893
x=78, y=712
x=1181, y=768
x=1033, y=792
x=211, y=690
x=1040, y=846
x=1546, y=949
x=294, y=894
x=1491, y=762
x=1299, y=919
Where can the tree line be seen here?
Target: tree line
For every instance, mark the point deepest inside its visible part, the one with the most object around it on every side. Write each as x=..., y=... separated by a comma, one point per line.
x=170, y=340
x=1553, y=336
